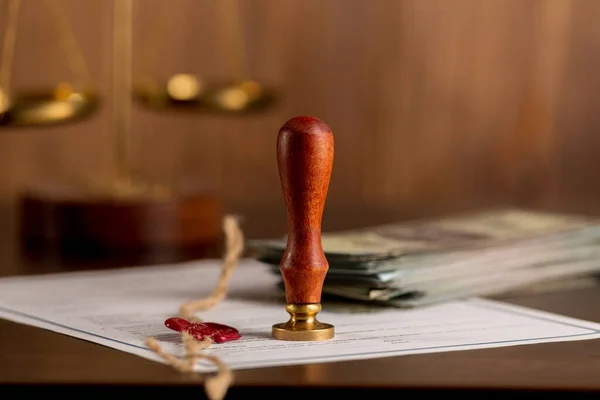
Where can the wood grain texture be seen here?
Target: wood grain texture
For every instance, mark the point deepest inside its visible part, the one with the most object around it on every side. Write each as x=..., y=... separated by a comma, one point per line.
x=436, y=105
x=305, y=153
x=75, y=221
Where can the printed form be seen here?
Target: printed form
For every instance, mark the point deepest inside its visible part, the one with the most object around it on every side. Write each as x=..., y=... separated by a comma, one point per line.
x=121, y=308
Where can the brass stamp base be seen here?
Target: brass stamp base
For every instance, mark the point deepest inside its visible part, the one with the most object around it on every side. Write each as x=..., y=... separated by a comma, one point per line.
x=303, y=325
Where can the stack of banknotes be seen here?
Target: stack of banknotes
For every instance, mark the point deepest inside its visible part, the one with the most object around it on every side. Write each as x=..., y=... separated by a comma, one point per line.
x=422, y=262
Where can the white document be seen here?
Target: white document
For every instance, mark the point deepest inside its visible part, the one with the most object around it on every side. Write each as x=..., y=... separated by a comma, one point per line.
x=120, y=308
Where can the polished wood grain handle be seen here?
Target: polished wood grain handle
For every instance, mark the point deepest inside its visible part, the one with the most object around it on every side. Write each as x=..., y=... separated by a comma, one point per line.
x=305, y=161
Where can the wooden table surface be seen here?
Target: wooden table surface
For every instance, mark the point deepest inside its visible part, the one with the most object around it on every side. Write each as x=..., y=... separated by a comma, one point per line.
x=35, y=359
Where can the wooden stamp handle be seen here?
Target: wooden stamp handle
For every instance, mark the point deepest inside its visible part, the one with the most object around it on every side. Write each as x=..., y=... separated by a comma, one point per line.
x=305, y=161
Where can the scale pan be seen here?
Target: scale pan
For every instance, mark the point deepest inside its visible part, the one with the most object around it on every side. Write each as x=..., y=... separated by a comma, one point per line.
x=180, y=91
x=185, y=92
x=237, y=97
x=48, y=107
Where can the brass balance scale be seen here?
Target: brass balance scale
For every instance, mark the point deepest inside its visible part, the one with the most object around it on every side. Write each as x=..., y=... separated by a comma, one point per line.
x=129, y=214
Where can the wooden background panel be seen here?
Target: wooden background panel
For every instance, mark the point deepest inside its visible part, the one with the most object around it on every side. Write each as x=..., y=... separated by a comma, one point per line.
x=436, y=105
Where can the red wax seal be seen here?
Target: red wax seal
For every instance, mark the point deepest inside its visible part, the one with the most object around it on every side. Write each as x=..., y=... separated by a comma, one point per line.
x=219, y=333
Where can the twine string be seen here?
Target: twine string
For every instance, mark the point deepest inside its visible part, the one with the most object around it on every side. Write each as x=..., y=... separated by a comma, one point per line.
x=216, y=386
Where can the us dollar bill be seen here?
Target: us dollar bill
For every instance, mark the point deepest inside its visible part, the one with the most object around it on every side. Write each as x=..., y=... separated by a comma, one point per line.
x=366, y=247
x=416, y=263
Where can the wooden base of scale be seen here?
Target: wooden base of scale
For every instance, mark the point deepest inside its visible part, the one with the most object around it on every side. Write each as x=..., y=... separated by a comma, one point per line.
x=73, y=224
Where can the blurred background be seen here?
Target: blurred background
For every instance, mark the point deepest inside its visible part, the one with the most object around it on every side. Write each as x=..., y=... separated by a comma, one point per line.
x=436, y=106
